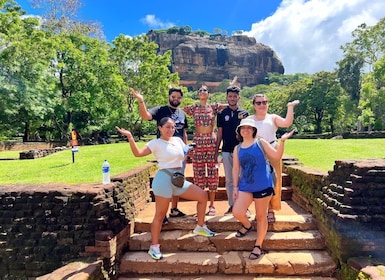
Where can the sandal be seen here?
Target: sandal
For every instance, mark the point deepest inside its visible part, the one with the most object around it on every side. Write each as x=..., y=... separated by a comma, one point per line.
x=255, y=256
x=240, y=234
x=271, y=217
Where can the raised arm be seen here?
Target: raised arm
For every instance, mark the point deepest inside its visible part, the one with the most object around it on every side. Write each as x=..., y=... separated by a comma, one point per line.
x=288, y=120
x=144, y=114
x=134, y=148
x=233, y=82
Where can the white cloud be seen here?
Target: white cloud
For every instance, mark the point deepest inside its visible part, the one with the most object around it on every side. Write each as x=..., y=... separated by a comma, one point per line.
x=155, y=23
x=307, y=35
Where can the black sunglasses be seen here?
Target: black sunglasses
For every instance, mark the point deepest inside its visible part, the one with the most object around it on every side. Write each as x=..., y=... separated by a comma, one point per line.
x=202, y=90
x=260, y=102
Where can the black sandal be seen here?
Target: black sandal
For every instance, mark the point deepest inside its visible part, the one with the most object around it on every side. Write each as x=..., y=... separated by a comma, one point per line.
x=240, y=234
x=255, y=256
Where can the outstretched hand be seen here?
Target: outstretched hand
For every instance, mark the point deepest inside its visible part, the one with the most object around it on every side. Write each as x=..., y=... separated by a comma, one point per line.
x=293, y=103
x=136, y=94
x=124, y=132
x=232, y=83
x=287, y=135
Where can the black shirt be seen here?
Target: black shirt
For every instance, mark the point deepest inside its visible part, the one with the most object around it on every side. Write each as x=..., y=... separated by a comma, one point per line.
x=229, y=120
x=178, y=115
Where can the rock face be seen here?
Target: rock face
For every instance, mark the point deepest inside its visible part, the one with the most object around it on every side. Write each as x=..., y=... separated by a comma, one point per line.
x=214, y=58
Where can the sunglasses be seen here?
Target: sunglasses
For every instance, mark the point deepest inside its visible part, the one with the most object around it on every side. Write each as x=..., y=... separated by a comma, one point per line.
x=260, y=102
x=202, y=90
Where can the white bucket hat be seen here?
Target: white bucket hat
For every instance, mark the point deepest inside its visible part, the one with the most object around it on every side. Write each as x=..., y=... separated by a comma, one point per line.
x=244, y=122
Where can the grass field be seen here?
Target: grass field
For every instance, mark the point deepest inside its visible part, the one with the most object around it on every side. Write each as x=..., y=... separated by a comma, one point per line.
x=318, y=154
x=321, y=154
x=58, y=167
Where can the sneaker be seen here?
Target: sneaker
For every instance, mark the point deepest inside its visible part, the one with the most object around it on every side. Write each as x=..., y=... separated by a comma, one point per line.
x=175, y=212
x=154, y=252
x=165, y=220
x=211, y=211
x=204, y=231
x=229, y=211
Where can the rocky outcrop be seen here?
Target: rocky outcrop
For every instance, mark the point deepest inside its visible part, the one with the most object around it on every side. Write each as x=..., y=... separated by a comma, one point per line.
x=213, y=58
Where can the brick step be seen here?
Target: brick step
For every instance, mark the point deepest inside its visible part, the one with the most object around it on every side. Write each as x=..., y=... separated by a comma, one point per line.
x=222, y=276
x=275, y=263
x=184, y=240
x=290, y=217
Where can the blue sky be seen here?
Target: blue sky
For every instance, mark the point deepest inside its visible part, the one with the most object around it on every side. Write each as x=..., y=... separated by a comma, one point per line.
x=306, y=35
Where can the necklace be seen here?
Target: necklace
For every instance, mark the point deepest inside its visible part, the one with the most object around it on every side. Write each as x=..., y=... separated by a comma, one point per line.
x=174, y=115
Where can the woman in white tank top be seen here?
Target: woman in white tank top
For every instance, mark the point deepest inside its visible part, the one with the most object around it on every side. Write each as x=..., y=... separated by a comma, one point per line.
x=267, y=126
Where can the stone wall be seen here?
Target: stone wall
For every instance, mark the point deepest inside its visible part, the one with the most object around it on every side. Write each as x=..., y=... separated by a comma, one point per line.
x=21, y=146
x=45, y=226
x=348, y=204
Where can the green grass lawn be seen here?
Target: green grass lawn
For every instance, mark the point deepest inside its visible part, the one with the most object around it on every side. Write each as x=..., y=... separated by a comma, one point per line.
x=58, y=167
x=321, y=154
x=318, y=154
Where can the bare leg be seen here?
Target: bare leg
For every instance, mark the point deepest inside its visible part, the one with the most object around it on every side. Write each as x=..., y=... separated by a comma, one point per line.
x=161, y=206
x=196, y=193
x=212, y=198
x=261, y=206
x=174, y=201
x=240, y=207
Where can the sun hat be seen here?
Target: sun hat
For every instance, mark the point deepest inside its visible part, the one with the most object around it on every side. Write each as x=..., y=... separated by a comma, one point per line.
x=244, y=122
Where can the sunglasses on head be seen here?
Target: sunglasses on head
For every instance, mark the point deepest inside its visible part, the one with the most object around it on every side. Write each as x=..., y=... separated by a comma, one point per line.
x=203, y=90
x=260, y=102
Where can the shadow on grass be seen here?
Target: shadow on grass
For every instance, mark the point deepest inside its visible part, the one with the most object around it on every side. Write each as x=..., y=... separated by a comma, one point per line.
x=61, y=165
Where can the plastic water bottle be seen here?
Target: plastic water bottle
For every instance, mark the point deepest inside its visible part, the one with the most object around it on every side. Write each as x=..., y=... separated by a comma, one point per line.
x=106, y=172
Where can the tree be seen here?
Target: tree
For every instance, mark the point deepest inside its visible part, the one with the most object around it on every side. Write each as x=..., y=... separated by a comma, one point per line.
x=25, y=85
x=88, y=82
x=60, y=16
x=143, y=70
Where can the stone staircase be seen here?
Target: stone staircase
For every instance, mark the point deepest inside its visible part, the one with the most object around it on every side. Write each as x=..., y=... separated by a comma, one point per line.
x=296, y=248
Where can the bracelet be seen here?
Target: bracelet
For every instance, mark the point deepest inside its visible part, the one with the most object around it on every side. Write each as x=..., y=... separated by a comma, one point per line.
x=141, y=101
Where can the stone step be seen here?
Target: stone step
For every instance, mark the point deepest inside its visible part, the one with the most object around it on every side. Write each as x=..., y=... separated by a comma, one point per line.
x=183, y=240
x=274, y=263
x=290, y=217
x=221, y=277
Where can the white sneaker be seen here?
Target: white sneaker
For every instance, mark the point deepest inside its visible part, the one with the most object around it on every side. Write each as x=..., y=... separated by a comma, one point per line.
x=155, y=253
x=204, y=231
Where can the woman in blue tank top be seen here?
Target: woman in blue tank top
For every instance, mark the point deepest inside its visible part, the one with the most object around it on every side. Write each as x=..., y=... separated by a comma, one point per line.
x=253, y=181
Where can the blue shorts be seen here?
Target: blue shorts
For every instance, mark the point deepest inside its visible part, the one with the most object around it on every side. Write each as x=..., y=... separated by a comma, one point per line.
x=162, y=186
x=263, y=193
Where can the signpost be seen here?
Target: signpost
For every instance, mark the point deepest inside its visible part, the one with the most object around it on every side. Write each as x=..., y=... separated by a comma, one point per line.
x=74, y=144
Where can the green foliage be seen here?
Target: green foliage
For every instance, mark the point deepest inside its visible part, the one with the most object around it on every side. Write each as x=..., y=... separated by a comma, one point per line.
x=56, y=75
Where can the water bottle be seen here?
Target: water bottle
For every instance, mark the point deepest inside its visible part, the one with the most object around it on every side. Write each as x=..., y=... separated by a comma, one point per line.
x=106, y=172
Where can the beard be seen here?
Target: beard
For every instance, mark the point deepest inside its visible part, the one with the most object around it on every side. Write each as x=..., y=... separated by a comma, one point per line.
x=174, y=103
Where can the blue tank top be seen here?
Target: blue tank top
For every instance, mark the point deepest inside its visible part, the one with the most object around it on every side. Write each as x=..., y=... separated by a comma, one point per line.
x=255, y=174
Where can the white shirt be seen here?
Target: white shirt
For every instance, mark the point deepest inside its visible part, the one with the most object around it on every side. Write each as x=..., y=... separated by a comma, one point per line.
x=266, y=129
x=169, y=154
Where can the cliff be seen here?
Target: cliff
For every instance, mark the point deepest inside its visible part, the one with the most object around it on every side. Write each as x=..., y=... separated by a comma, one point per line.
x=214, y=58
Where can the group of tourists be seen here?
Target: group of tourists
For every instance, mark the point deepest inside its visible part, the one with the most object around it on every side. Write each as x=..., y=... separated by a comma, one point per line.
x=248, y=146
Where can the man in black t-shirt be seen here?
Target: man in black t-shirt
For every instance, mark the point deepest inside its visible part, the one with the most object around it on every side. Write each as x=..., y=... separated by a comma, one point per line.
x=171, y=110
x=227, y=121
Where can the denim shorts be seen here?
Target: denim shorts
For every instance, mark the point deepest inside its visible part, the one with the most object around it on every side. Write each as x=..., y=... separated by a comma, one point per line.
x=263, y=193
x=162, y=186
